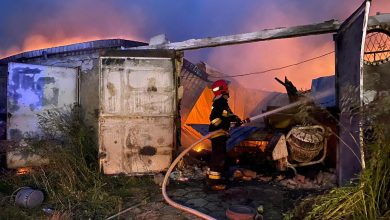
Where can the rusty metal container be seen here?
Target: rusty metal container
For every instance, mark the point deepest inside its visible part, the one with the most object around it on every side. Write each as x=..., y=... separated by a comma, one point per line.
x=138, y=99
x=240, y=212
x=29, y=198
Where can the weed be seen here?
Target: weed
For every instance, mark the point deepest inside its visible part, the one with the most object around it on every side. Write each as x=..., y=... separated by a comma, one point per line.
x=72, y=182
x=369, y=198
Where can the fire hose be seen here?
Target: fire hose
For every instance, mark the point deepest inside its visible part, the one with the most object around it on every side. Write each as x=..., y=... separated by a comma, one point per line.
x=175, y=162
x=182, y=154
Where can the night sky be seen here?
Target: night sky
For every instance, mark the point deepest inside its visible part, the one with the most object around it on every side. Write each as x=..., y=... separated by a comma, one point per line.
x=35, y=24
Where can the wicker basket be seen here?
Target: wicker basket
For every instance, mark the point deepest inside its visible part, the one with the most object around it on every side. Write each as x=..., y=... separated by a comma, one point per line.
x=305, y=143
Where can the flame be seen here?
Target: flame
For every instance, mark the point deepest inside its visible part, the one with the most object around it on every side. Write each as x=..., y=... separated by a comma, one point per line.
x=72, y=23
x=261, y=145
x=255, y=57
x=23, y=170
x=35, y=42
x=198, y=148
x=267, y=55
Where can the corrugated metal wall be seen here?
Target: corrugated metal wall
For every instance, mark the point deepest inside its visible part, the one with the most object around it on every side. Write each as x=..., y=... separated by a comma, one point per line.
x=194, y=81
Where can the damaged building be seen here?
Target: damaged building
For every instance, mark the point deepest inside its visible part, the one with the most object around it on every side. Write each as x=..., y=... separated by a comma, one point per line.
x=144, y=101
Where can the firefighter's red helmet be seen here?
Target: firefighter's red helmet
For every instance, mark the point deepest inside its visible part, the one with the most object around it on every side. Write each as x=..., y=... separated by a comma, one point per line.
x=220, y=87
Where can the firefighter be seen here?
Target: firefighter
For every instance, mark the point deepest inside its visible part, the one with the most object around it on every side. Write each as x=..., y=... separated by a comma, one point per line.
x=221, y=117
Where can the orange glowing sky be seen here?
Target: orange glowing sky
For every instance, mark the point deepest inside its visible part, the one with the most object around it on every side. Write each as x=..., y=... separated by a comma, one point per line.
x=256, y=57
x=29, y=25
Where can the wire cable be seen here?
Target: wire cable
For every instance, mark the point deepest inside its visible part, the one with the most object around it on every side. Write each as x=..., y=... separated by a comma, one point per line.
x=273, y=69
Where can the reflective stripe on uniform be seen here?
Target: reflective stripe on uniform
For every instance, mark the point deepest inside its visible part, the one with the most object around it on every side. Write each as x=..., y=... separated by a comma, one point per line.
x=218, y=135
x=213, y=173
x=216, y=121
x=225, y=113
x=214, y=177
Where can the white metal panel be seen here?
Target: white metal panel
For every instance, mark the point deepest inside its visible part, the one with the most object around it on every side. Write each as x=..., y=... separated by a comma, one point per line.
x=137, y=114
x=33, y=89
x=136, y=145
x=137, y=86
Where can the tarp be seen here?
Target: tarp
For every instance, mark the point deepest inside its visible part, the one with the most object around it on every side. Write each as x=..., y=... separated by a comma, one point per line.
x=237, y=135
x=323, y=89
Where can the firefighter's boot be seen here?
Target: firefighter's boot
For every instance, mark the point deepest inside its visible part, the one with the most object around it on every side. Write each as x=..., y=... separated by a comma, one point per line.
x=215, y=181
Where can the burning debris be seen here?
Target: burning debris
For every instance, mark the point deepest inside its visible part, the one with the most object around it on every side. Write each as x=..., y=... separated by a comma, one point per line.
x=23, y=170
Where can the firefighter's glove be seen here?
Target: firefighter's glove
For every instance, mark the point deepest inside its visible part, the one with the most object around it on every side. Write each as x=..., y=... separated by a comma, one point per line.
x=238, y=124
x=235, y=124
x=247, y=120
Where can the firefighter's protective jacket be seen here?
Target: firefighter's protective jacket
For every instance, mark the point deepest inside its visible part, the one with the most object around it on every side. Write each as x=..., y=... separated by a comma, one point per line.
x=221, y=115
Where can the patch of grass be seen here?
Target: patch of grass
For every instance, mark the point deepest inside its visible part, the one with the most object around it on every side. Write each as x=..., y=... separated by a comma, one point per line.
x=71, y=181
x=369, y=199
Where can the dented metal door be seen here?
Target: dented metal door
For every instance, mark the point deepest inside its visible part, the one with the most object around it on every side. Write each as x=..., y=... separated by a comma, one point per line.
x=349, y=91
x=32, y=89
x=138, y=93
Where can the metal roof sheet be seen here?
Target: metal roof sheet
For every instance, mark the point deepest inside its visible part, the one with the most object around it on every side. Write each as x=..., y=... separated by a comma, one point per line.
x=78, y=47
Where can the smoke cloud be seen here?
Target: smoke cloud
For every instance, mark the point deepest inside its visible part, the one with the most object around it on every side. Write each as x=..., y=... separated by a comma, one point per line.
x=28, y=25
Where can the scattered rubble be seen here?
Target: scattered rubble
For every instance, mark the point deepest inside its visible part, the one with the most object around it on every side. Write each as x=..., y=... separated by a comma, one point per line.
x=264, y=178
x=249, y=173
x=186, y=172
x=178, y=176
x=244, y=174
x=323, y=180
x=158, y=179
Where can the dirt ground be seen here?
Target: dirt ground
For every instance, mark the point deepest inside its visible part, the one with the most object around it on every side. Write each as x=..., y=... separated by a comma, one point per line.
x=274, y=198
x=147, y=202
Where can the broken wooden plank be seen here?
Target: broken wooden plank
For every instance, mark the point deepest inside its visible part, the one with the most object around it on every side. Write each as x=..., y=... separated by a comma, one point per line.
x=267, y=34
